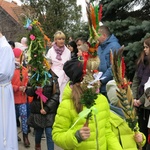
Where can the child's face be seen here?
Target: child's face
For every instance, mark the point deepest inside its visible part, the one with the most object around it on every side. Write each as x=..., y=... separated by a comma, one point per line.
x=79, y=54
x=18, y=59
x=49, y=44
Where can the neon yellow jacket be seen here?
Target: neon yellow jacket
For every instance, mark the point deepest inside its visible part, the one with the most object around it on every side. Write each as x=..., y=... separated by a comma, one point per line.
x=101, y=137
x=124, y=134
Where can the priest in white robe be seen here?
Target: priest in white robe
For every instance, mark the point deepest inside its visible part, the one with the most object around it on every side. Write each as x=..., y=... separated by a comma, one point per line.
x=8, y=128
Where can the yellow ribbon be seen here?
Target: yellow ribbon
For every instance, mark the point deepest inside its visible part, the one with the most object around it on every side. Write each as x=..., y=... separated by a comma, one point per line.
x=29, y=51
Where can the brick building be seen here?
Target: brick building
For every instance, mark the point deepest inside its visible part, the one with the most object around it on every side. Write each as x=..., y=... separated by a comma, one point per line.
x=10, y=14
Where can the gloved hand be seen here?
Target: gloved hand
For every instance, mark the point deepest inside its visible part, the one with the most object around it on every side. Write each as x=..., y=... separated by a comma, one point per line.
x=149, y=138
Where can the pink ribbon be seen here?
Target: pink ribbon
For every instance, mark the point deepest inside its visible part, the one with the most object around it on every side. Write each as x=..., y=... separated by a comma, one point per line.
x=40, y=94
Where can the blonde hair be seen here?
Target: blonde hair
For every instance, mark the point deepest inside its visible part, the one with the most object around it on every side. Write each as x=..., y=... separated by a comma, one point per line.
x=79, y=88
x=92, y=64
x=59, y=34
x=76, y=95
x=84, y=47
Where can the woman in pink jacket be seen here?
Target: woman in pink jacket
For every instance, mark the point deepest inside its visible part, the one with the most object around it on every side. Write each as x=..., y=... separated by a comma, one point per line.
x=58, y=55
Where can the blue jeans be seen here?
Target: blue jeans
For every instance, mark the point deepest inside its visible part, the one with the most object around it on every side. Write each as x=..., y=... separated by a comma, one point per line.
x=38, y=135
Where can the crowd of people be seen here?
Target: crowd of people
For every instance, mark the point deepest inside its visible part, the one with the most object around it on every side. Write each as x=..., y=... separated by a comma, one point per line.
x=71, y=84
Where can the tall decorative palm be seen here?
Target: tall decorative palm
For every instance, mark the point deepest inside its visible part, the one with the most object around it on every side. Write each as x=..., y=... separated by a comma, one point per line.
x=124, y=93
x=91, y=60
x=37, y=64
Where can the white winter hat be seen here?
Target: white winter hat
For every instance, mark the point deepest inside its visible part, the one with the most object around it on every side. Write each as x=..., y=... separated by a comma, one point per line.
x=24, y=41
x=111, y=88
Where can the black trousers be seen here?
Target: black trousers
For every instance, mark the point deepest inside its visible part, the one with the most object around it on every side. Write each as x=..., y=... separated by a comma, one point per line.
x=143, y=116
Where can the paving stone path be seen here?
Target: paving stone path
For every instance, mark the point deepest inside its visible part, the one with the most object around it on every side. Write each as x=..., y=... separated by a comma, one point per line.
x=32, y=143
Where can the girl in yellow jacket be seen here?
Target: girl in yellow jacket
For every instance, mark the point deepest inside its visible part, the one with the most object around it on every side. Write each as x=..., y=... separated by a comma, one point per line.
x=69, y=130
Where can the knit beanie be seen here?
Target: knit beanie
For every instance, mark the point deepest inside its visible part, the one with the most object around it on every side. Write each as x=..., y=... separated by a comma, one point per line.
x=17, y=52
x=74, y=70
x=111, y=88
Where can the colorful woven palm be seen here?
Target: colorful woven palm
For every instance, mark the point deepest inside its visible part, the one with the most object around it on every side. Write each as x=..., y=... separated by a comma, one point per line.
x=124, y=93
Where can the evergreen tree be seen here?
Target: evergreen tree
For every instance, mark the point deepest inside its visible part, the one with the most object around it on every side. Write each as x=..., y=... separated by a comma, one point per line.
x=56, y=15
x=129, y=25
x=82, y=31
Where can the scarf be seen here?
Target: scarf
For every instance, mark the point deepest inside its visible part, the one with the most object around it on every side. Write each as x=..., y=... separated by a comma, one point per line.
x=59, y=51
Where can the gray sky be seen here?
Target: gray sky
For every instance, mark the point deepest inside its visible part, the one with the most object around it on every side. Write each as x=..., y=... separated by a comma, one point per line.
x=83, y=4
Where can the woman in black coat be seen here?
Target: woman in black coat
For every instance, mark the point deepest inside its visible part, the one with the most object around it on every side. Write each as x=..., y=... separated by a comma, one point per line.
x=39, y=118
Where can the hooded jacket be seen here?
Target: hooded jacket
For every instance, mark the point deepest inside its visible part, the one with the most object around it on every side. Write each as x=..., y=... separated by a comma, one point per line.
x=124, y=134
x=101, y=136
x=111, y=44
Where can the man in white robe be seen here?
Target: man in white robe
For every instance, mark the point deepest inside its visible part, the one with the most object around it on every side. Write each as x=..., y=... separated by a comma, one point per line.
x=8, y=128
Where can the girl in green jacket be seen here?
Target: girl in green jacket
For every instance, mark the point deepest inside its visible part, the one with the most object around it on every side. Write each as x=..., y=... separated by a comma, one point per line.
x=69, y=130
